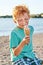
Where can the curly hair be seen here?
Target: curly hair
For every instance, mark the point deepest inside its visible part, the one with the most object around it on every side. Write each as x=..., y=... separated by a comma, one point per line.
x=18, y=10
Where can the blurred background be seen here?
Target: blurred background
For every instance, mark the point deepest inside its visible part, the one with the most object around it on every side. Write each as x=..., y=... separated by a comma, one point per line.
x=6, y=21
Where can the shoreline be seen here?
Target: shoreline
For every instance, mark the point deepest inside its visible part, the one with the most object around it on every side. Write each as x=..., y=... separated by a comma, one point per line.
x=5, y=52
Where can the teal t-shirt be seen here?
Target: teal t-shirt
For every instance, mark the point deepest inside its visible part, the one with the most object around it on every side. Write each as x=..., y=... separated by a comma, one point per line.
x=16, y=37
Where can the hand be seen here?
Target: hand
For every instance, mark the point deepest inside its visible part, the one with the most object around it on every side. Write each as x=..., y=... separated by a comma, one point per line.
x=26, y=40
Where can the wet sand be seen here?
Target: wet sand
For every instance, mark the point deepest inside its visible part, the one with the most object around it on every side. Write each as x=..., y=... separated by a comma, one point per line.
x=5, y=52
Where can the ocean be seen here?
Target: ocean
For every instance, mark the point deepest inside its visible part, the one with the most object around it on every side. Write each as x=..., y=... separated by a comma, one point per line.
x=7, y=25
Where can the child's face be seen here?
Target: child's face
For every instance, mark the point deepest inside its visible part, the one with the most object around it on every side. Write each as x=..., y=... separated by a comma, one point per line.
x=23, y=20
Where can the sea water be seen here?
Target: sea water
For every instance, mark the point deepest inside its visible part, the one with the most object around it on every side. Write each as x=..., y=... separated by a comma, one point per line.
x=7, y=25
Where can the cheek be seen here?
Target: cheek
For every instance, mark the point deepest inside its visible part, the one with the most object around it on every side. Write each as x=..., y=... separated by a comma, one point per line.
x=20, y=22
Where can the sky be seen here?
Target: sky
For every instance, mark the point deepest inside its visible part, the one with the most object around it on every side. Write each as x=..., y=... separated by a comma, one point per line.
x=35, y=6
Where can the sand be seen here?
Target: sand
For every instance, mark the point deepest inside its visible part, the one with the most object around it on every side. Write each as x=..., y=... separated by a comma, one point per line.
x=5, y=52
x=38, y=45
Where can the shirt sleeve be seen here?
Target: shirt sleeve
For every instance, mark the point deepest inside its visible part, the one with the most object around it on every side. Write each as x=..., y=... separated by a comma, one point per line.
x=14, y=40
x=32, y=29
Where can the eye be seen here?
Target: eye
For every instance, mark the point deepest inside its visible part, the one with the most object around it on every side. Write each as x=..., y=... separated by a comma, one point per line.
x=26, y=18
x=20, y=20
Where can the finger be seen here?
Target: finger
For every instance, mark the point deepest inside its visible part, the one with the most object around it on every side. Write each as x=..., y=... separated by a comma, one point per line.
x=27, y=38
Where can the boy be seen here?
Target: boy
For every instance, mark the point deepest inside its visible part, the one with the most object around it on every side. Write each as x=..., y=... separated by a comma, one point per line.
x=20, y=44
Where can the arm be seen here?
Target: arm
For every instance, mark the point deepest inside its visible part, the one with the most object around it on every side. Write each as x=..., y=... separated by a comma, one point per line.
x=19, y=48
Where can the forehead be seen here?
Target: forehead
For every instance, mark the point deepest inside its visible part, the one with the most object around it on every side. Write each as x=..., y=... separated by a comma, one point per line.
x=25, y=15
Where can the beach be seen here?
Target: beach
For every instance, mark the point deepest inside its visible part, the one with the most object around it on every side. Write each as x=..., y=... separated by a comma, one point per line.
x=5, y=52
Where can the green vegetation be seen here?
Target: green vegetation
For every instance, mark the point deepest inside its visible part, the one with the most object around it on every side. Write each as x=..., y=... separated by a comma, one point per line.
x=37, y=15
x=6, y=16
x=32, y=16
